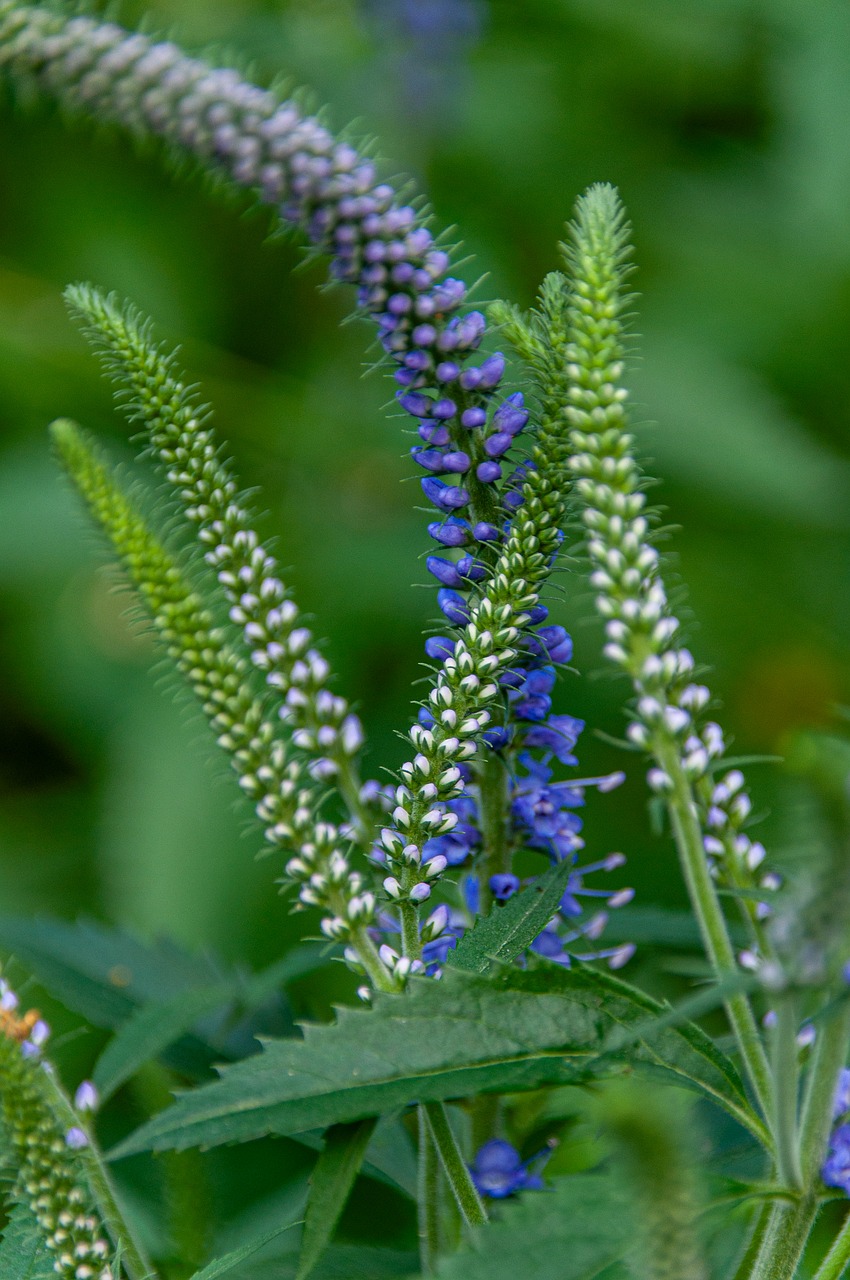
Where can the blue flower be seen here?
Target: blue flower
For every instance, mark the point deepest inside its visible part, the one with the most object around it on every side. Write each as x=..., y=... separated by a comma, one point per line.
x=530, y=700
x=836, y=1169
x=504, y=886
x=542, y=811
x=557, y=735
x=841, y=1103
x=498, y=1171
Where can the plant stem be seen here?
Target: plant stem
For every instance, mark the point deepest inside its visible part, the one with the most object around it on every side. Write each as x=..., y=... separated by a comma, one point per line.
x=428, y=1196
x=133, y=1260
x=495, y=859
x=373, y=964
x=785, y=1088
x=835, y=1262
x=715, y=935
x=459, y=1177
x=784, y=1240
x=829, y=1057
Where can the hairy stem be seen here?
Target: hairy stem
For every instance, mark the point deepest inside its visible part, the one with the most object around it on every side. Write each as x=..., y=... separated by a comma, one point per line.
x=712, y=923
x=428, y=1196
x=785, y=1057
x=838, y=1258
x=784, y=1241
x=458, y=1175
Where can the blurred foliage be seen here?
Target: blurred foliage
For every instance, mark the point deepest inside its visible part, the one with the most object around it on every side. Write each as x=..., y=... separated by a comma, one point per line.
x=723, y=124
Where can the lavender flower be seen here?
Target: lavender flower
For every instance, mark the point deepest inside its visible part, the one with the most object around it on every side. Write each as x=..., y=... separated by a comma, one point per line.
x=836, y=1168
x=499, y=1171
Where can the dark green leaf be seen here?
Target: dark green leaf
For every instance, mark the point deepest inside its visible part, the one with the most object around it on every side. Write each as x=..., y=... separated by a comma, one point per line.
x=330, y=1186
x=572, y=1231
x=151, y=1030
x=466, y=1034
x=23, y=1255
x=221, y=1266
x=510, y=929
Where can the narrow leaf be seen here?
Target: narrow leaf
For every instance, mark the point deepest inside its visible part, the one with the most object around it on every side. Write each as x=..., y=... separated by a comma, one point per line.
x=330, y=1186
x=221, y=1266
x=23, y=1254
x=510, y=929
x=151, y=1030
x=467, y=1034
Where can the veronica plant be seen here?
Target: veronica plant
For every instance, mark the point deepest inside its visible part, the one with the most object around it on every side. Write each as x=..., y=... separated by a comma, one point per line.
x=483, y=980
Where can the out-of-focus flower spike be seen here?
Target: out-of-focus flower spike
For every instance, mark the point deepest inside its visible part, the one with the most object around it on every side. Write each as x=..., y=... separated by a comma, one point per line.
x=59, y=1175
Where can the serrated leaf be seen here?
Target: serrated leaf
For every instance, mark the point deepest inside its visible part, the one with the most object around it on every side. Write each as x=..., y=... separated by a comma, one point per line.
x=467, y=1034
x=23, y=1254
x=330, y=1186
x=510, y=929
x=221, y=1266
x=151, y=1030
x=572, y=1231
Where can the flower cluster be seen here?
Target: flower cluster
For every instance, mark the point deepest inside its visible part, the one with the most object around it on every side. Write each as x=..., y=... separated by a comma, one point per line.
x=50, y=1180
x=327, y=189
x=836, y=1168
x=643, y=634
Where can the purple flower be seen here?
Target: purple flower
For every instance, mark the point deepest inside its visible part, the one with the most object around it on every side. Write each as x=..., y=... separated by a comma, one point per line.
x=530, y=700
x=499, y=1171
x=557, y=735
x=841, y=1103
x=504, y=886
x=836, y=1169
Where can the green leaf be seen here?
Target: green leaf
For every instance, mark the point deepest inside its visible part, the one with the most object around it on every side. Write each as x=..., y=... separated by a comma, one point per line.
x=330, y=1186
x=151, y=1030
x=510, y=929
x=572, y=1231
x=23, y=1254
x=466, y=1034
x=221, y=1266
x=101, y=973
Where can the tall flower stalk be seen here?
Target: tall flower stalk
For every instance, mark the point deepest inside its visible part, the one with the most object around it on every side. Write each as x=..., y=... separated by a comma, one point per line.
x=60, y=1177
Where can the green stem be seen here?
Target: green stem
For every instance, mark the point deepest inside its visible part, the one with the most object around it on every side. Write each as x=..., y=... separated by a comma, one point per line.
x=784, y=1240
x=493, y=807
x=829, y=1057
x=428, y=1196
x=459, y=1177
x=133, y=1259
x=375, y=968
x=838, y=1258
x=785, y=1087
x=712, y=923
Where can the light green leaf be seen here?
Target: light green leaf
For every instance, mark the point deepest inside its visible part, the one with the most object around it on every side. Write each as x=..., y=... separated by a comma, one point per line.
x=221, y=1266
x=573, y=1231
x=23, y=1255
x=330, y=1186
x=510, y=929
x=466, y=1034
x=150, y=1031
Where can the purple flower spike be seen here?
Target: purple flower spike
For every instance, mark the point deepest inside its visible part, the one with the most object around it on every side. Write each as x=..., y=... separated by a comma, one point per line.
x=488, y=472
x=473, y=418
x=558, y=735
x=434, y=433
x=504, y=886
x=449, y=497
x=557, y=642
x=444, y=571
x=836, y=1169
x=416, y=404
x=439, y=647
x=484, y=532
x=451, y=532
x=498, y=1171
x=454, y=606
x=492, y=371
x=497, y=445
x=457, y=462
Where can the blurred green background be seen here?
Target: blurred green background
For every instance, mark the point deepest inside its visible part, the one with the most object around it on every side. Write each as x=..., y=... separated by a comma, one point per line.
x=724, y=123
